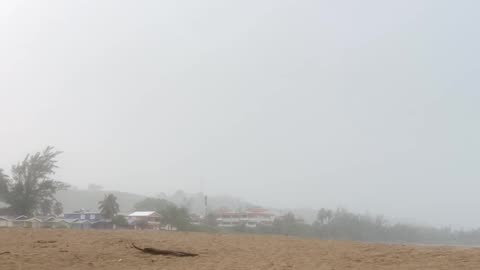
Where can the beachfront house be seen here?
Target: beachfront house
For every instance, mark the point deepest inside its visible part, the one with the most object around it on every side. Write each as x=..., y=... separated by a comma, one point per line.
x=258, y=216
x=81, y=224
x=55, y=223
x=144, y=220
x=228, y=219
x=84, y=215
x=5, y=222
x=25, y=222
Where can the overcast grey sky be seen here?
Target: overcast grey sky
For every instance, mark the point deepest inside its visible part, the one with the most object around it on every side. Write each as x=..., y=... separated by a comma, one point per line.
x=371, y=105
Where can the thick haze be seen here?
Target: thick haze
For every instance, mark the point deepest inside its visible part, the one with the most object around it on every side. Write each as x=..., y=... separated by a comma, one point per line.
x=371, y=105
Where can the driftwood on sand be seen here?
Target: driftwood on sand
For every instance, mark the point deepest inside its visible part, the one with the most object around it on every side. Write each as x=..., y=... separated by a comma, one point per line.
x=155, y=251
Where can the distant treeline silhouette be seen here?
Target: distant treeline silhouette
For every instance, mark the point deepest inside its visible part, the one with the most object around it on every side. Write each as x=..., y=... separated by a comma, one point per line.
x=342, y=224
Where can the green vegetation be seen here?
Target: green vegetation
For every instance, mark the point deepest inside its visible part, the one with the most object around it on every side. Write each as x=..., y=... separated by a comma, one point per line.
x=211, y=220
x=173, y=215
x=58, y=208
x=120, y=221
x=108, y=206
x=176, y=216
x=341, y=224
x=30, y=189
x=152, y=204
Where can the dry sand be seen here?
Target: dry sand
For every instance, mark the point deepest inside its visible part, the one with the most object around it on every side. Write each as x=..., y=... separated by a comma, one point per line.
x=70, y=249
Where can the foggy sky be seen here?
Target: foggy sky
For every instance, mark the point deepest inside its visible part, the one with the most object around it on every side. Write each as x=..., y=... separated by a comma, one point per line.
x=370, y=105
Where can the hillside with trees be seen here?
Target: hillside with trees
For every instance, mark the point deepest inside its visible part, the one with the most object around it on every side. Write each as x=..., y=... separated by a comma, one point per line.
x=74, y=199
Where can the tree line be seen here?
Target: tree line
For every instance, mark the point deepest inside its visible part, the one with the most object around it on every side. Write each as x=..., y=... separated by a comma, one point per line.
x=30, y=190
x=341, y=224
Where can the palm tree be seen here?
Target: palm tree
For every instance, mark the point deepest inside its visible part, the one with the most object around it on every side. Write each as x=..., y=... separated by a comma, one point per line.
x=109, y=206
x=58, y=208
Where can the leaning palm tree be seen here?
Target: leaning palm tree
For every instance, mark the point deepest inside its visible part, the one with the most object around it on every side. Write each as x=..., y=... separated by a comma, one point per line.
x=109, y=206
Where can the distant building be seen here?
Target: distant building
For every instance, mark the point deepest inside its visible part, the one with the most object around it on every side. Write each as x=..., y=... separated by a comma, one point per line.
x=195, y=219
x=258, y=216
x=144, y=220
x=84, y=215
x=36, y=222
x=228, y=219
x=47, y=218
x=251, y=218
x=300, y=220
x=101, y=224
x=25, y=222
x=5, y=222
x=54, y=223
x=81, y=224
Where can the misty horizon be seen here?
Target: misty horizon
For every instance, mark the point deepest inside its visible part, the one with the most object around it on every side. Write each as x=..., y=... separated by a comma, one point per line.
x=371, y=106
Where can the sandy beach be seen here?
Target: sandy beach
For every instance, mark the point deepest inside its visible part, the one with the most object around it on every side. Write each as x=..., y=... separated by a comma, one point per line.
x=70, y=249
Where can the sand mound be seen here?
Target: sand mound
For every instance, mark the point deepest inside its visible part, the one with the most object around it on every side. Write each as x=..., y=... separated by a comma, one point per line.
x=70, y=249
